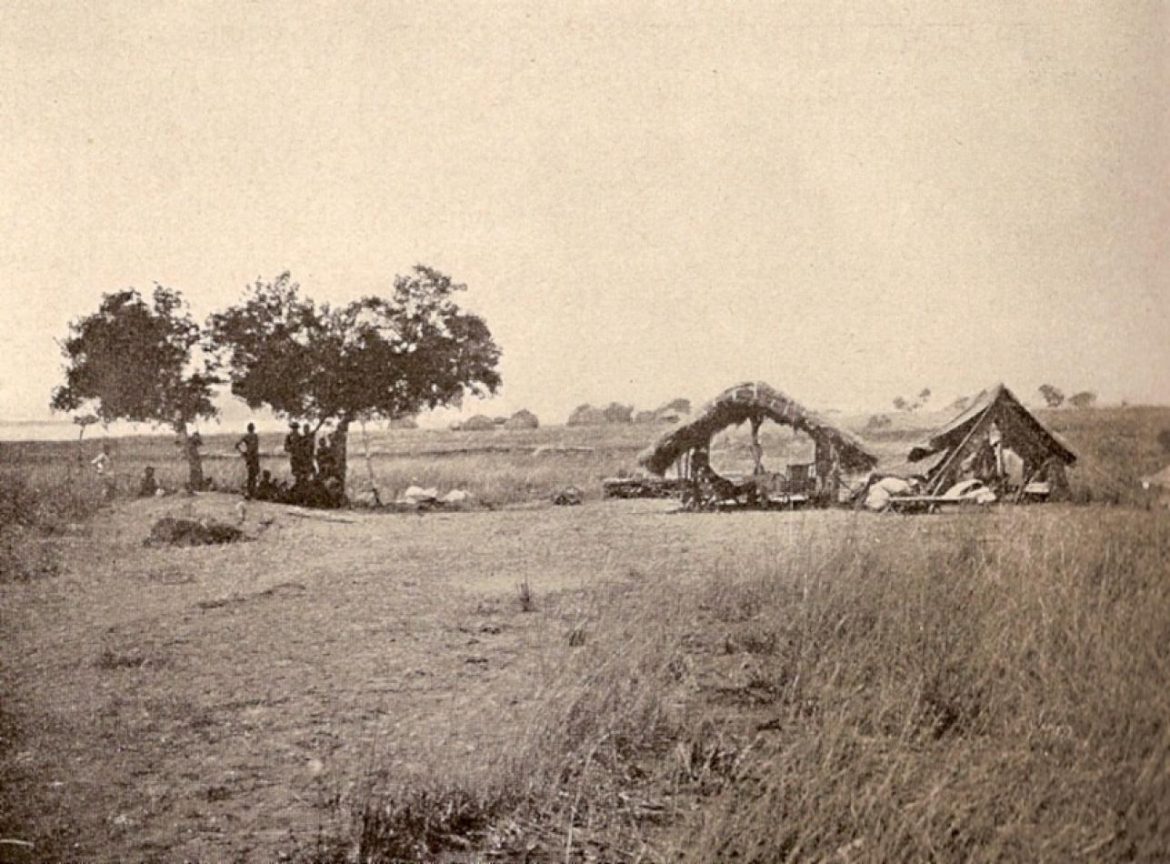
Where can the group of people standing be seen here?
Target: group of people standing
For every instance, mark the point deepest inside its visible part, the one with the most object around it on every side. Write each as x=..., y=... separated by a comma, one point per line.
x=309, y=458
x=317, y=465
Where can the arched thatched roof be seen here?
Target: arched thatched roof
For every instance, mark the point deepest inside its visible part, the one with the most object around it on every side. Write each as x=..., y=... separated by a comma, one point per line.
x=742, y=402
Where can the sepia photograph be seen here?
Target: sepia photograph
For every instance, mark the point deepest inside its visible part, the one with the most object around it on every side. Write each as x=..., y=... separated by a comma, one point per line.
x=589, y=432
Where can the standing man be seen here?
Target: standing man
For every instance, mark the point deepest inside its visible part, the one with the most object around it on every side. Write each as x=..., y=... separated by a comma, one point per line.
x=292, y=446
x=195, y=481
x=325, y=465
x=249, y=448
x=105, y=471
x=308, y=451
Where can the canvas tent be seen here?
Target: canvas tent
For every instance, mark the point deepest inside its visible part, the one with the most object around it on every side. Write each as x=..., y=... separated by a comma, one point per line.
x=836, y=451
x=999, y=441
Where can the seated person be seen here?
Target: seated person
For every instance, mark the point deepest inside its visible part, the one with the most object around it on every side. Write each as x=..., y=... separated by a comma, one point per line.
x=266, y=488
x=148, y=487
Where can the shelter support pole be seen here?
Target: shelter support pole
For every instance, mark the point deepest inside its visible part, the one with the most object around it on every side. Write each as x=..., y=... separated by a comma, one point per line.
x=949, y=462
x=757, y=450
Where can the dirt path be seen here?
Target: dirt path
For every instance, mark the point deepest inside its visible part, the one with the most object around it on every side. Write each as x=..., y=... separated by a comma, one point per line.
x=217, y=703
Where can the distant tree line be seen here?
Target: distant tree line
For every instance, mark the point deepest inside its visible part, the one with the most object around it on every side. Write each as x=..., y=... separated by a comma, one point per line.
x=616, y=412
x=902, y=403
x=1054, y=397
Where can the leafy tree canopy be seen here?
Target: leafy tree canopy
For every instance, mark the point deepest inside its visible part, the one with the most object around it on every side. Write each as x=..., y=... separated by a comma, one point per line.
x=133, y=360
x=385, y=357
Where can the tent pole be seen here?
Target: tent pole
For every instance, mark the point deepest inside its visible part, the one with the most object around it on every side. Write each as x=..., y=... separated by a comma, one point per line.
x=946, y=465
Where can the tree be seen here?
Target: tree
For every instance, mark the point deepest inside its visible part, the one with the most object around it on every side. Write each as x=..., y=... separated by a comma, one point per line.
x=1084, y=399
x=1053, y=396
x=374, y=358
x=134, y=360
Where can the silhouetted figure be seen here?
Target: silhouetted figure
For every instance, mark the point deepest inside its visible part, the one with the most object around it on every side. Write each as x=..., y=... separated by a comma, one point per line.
x=326, y=464
x=266, y=488
x=308, y=450
x=195, y=481
x=148, y=486
x=293, y=446
x=249, y=447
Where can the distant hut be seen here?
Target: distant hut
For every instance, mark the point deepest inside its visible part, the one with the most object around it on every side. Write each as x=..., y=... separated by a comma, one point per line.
x=615, y=412
x=999, y=441
x=523, y=419
x=670, y=415
x=587, y=415
x=836, y=451
x=674, y=411
x=478, y=423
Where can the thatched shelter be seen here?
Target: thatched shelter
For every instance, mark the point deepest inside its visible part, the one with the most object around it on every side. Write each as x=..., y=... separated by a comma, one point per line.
x=997, y=440
x=836, y=451
x=478, y=423
x=586, y=415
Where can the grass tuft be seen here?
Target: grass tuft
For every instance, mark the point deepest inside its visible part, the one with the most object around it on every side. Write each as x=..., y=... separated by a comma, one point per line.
x=525, y=597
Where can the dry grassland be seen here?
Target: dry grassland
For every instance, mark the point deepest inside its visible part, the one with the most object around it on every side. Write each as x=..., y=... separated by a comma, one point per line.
x=818, y=686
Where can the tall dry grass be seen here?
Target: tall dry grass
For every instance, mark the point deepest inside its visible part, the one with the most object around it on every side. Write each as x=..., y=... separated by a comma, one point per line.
x=988, y=688
x=1115, y=445
x=498, y=468
x=36, y=507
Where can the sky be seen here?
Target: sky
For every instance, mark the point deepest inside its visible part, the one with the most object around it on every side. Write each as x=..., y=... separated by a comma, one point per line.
x=848, y=200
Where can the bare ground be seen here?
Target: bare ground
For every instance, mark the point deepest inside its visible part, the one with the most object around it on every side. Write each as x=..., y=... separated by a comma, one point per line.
x=223, y=703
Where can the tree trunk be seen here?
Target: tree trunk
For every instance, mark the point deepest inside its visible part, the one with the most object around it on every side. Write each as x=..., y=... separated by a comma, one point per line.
x=194, y=461
x=341, y=451
x=756, y=448
x=80, y=450
x=370, y=465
